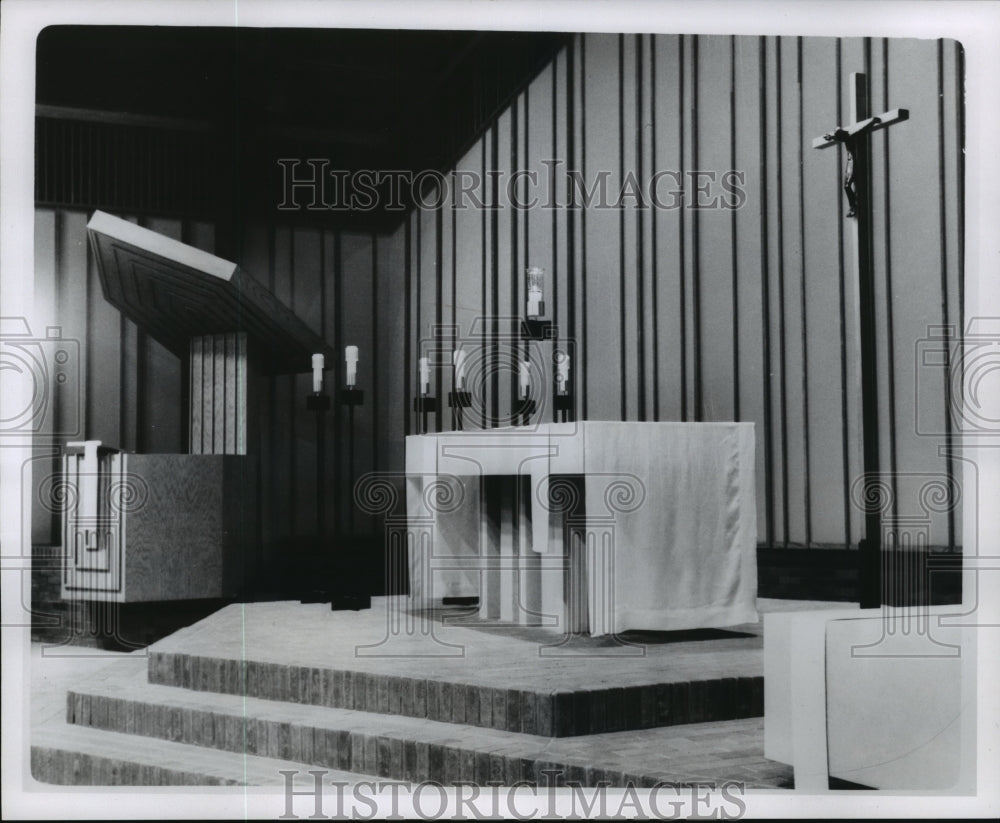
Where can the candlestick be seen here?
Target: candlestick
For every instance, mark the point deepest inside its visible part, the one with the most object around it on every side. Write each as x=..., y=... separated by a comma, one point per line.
x=458, y=360
x=536, y=279
x=318, y=362
x=425, y=376
x=525, y=378
x=562, y=371
x=351, y=358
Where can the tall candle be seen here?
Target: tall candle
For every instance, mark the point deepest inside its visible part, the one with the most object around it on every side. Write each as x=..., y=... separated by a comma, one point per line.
x=536, y=277
x=562, y=372
x=351, y=358
x=458, y=360
x=425, y=376
x=525, y=378
x=318, y=362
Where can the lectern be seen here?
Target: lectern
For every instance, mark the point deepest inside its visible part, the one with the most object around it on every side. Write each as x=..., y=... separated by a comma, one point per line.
x=159, y=527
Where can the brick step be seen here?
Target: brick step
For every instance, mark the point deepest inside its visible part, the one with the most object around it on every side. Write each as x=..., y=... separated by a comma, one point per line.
x=529, y=710
x=417, y=749
x=84, y=756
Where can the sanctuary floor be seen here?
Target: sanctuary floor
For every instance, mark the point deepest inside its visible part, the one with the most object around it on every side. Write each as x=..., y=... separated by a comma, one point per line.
x=257, y=685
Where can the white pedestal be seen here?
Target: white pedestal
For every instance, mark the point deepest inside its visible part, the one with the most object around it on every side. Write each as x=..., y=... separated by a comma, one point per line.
x=884, y=698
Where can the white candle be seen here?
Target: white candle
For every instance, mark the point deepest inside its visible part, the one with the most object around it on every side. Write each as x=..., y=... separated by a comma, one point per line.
x=351, y=358
x=318, y=363
x=525, y=375
x=425, y=376
x=562, y=372
x=458, y=360
x=535, y=278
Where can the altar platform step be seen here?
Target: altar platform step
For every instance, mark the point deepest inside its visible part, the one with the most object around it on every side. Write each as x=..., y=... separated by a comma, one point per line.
x=454, y=668
x=122, y=701
x=554, y=712
x=75, y=755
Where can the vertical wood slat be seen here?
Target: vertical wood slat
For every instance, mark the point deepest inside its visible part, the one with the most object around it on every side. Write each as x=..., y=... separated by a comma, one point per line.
x=219, y=394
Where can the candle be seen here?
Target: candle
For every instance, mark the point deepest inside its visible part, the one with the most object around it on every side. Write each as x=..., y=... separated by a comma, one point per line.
x=351, y=358
x=318, y=363
x=425, y=377
x=536, y=277
x=562, y=371
x=525, y=379
x=458, y=360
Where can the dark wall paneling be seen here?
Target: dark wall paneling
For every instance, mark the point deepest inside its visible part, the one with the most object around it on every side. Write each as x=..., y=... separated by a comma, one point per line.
x=307, y=302
x=950, y=140
x=602, y=328
x=821, y=209
x=748, y=247
x=852, y=58
x=716, y=297
x=505, y=258
x=793, y=295
x=630, y=258
x=646, y=226
x=750, y=314
x=774, y=275
x=558, y=149
x=667, y=228
x=468, y=256
x=920, y=262
x=357, y=268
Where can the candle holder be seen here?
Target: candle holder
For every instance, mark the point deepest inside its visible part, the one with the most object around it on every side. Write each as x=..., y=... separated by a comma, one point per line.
x=563, y=403
x=318, y=402
x=534, y=328
x=423, y=406
x=459, y=400
x=524, y=408
x=351, y=397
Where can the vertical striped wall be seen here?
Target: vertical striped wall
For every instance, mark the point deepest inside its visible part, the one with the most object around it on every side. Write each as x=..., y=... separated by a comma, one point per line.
x=745, y=313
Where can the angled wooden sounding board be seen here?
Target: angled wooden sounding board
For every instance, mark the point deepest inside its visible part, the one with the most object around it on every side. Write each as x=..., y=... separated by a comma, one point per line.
x=172, y=527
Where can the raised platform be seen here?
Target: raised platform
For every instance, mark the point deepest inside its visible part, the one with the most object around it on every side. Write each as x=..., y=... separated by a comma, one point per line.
x=296, y=683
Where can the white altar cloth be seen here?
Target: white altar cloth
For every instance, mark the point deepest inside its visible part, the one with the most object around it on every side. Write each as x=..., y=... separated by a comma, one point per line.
x=665, y=539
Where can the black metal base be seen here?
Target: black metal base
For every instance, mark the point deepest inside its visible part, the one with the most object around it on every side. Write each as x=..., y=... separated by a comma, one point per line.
x=425, y=404
x=524, y=409
x=318, y=402
x=534, y=329
x=351, y=397
x=562, y=402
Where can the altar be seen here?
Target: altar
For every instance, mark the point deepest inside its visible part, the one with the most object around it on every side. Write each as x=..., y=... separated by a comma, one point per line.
x=594, y=526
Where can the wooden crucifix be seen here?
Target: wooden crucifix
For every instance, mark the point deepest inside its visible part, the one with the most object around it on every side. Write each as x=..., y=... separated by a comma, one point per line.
x=855, y=138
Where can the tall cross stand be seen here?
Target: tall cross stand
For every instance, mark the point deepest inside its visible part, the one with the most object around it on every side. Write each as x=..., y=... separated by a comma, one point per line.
x=855, y=138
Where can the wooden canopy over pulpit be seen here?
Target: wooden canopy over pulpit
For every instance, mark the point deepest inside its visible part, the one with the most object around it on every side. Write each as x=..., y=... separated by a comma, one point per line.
x=174, y=527
x=207, y=310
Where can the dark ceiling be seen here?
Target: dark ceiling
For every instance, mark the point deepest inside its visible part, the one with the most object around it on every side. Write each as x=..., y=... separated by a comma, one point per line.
x=364, y=99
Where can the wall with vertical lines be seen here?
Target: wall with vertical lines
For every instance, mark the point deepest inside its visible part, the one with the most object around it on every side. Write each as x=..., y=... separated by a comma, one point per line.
x=675, y=313
x=745, y=313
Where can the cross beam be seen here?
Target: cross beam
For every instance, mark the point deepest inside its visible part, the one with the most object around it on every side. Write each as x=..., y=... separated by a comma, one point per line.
x=855, y=137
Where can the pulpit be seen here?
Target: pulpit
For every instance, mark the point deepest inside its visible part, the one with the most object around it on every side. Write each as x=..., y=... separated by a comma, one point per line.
x=150, y=527
x=595, y=526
